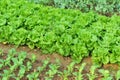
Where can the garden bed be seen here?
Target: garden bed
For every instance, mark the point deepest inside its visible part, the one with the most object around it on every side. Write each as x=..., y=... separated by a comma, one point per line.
x=64, y=64
x=39, y=42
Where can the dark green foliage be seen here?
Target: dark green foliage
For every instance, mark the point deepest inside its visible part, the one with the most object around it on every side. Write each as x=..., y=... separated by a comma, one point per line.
x=106, y=7
x=67, y=32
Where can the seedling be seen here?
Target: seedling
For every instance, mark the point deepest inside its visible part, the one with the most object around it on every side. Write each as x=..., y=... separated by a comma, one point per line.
x=57, y=61
x=70, y=67
x=16, y=61
x=12, y=52
x=63, y=74
x=67, y=72
x=21, y=71
x=7, y=61
x=92, y=74
x=118, y=75
x=40, y=69
x=53, y=70
x=6, y=75
x=79, y=75
x=33, y=58
x=29, y=66
x=1, y=52
x=10, y=55
x=33, y=76
x=1, y=63
x=22, y=56
x=45, y=62
x=106, y=74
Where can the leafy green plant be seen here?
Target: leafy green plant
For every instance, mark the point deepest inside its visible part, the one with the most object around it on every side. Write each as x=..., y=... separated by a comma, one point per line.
x=22, y=71
x=10, y=56
x=13, y=67
x=118, y=75
x=52, y=71
x=79, y=75
x=45, y=62
x=45, y=2
x=106, y=74
x=70, y=67
x=67, y=72
x=2, y=62
x=92, y=74
x=28, y=66
x=6, y=75
x=15, y=61
x=76, y=34
x=100, y=6
x=64, y=74
x=1, y=52
x=33, y=76
x=22, y=56
x=33, y=58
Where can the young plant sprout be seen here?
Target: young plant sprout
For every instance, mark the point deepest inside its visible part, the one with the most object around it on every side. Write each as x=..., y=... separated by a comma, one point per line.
x=13, y=67
x=1, y=63
x=64, y=75
x=45, y=62
x=29, y=66
x=67, y=72
x=12, y=52
x=118, y=75
x=92, y=74
x=6, y=75
x=21, y=71
x=70, y=67
x=106, y=74
x=1, y=52
x=33, y=58
x=79, y=75
x=33, y=76
x=10, y=56
x=22, y=56
x=52, y=71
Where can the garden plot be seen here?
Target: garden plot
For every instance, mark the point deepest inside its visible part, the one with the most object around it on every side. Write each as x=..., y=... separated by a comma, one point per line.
x=29, y=65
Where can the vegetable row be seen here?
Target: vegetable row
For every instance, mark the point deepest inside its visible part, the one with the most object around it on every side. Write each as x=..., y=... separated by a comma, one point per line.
x=17, y=66
x=66, y=32
x=106, y=7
